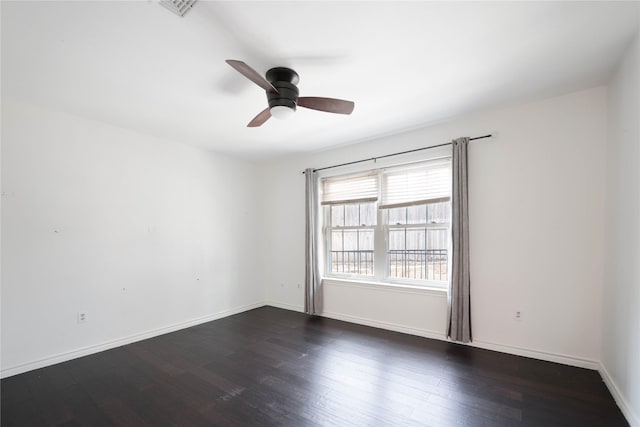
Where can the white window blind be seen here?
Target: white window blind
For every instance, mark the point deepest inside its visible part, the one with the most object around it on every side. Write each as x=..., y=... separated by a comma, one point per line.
x=428, y=182
x=350, y=189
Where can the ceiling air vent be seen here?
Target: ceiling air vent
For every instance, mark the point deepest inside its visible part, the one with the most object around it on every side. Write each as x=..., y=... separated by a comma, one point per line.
x=179, y=7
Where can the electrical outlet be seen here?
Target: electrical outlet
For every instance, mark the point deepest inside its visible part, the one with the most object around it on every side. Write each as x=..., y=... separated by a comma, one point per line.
x=82, y=317
x=517, y=315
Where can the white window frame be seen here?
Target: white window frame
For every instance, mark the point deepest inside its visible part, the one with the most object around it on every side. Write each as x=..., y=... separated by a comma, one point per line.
x=381, y=242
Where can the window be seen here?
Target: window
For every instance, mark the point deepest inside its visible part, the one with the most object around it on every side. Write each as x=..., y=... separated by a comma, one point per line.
x=350, y=223
x=418, y=242
x=390, y=225
x=352, y=236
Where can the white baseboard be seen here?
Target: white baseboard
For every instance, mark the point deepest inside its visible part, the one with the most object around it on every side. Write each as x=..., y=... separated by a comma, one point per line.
x=518, y=351
x=384, y=325
x=540, y=355
x=284, y=306
x=85, y=351
x=632, y=418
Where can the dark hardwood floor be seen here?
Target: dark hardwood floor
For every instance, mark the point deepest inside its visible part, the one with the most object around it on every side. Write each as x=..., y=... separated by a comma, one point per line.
x=271, y=367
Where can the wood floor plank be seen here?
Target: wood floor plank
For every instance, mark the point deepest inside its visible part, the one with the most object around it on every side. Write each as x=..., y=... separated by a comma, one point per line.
x=273, y=367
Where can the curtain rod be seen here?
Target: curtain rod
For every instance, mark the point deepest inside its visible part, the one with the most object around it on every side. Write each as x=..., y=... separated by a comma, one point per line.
x=396, y=154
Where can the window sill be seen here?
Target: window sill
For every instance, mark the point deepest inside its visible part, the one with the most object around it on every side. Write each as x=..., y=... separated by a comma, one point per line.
x=406, y=288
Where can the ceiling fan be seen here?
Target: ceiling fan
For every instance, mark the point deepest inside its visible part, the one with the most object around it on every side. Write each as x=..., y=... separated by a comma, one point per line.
x=282, y=94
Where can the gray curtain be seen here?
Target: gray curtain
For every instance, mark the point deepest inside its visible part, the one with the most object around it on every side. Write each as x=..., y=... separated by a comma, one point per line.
x=459, y=310
x=312, y=292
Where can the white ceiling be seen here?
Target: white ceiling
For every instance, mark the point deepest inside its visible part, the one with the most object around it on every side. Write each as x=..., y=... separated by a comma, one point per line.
x=137, y=65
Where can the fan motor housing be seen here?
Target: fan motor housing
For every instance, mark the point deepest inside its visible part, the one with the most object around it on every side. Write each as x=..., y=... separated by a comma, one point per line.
x=284, y=80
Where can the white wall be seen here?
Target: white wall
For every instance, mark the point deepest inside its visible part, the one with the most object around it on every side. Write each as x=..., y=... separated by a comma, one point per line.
x=144, y=235
x=536, y=218
x=621, y=313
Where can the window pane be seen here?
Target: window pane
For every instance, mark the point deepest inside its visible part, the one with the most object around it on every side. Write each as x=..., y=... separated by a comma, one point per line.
x=417, y=214
x=368, y=214
x=437, y=238
x=396, y=239
x=352, y=252
x=416, y=238
x=350, y=240
x=337, y=215
x=336, y=240
x=351, y=215
x=418, y=253
x=365, y=254
x=365, y=238
x=439, y=213
x=396, y=252
x=437, y=257
x=397, y=216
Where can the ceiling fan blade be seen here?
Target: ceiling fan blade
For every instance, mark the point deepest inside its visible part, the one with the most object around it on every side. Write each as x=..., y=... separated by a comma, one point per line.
x=251, y=74
x=330, y=105
x=262, y=117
